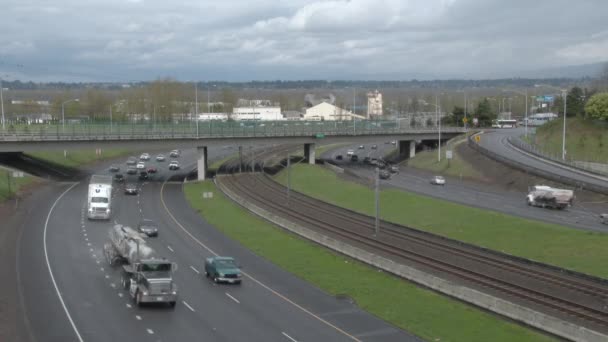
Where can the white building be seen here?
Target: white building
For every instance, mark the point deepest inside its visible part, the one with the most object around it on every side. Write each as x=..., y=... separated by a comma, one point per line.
x=374, y=103
x=257, y=113
x=212, y=116
x=328, y=112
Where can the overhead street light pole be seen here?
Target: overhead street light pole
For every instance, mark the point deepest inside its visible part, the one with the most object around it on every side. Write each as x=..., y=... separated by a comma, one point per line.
x=196, y=106
x=565, y=96
x=63, y=113
x=437, y=109
x=2, y=105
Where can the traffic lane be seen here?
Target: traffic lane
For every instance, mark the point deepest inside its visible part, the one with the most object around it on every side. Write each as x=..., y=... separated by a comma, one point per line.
x=496, y=141
x=507, y=202
x=180, y=323
x=43, y=316
x=382, y=150
x=273, y=282
x=82, y=277
x=259, y=314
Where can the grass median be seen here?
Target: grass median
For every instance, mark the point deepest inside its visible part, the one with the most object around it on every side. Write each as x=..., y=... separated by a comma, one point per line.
x=578, y=250
x=78, y=158
x=9, y=185
x=420, y=311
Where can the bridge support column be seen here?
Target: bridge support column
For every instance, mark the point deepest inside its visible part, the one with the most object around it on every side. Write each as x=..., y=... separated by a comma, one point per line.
x=309, y=153
x=202, y=163
x=407, y=148
x=240, y=159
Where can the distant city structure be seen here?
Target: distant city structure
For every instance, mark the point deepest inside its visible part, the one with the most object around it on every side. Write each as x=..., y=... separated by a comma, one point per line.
x=374, y=104
x=27, y=102
x=255, y=103
x=257, y=113
x=328, y=112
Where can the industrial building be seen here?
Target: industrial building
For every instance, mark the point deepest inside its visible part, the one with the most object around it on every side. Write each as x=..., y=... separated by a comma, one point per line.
x=328, y=112
x=257, y=113
x=374, y=104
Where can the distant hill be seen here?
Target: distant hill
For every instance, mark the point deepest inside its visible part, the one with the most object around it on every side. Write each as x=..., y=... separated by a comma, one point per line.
x=571, y=71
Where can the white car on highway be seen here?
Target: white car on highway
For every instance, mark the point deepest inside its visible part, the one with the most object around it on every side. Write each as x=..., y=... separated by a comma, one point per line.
x=160, y=158
x=174, y=165
x=350, y=153
x=144, y=156
x=141, y=166
x=438, y=180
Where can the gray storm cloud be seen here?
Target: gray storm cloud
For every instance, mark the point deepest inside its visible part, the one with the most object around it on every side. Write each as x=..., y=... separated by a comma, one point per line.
x=244, y=40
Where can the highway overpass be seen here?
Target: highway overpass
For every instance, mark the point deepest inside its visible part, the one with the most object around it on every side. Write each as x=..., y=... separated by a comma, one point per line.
x=26, y=138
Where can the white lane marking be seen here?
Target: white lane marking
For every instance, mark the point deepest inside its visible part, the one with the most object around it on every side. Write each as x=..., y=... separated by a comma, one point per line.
x=107, y=276
x=289, y=337
x=195, y=270
x=48, y=264
x=188, y=306
x=113, y=285
x=171, y=249
x=234, y=299
x=138, y=317
x=129, y=306
x=162, y=200
x=120, y=294
x=89, y=244
x=150, y=331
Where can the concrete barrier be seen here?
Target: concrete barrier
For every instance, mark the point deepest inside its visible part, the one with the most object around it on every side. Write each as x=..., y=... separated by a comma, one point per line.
x=333, y=167
x=501, y=306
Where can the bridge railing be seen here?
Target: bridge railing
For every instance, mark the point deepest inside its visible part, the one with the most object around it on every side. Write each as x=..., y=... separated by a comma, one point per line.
x=207, y=129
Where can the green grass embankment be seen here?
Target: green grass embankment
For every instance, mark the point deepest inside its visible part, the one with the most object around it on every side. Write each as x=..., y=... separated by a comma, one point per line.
x=456, y=167
x=15, y=183
x=78, y=158
x=420, y=311
x=586, y=140
x=577, y=250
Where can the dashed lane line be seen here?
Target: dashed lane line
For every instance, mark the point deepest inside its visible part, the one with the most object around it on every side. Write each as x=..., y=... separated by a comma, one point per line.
x=303, y=309
x=188, y=306
x=195, y=270
x=234, y=299
x=171, y=249
x=150, y=331
x=289, y=337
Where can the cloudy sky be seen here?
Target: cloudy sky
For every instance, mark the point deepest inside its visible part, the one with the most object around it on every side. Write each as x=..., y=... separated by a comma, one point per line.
x=235, y=40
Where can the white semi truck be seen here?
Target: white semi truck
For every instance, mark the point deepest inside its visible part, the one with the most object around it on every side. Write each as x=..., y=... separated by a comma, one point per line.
x=548, y=197
x=99, y=197
x=147, y=277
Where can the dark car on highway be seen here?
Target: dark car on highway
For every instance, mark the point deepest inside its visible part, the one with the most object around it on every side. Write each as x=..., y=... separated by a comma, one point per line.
x=384, y=174
x=148, y=227
x=223, y=269
x=131, y=189
x=366, y=160
x=354, y=158
x=119, y=178
x=339, y=157
x=143, y=175
x=374, y=147
x=152, y=169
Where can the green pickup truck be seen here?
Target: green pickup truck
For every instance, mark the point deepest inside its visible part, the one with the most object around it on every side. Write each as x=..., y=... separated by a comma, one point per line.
x=223, y=269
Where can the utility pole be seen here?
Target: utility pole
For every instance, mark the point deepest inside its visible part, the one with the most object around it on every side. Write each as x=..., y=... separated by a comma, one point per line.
x=377, y=197
x=288, y=178
x=110, y=119
x=196, y=106
x=2, y=105
x=564, y=136
x=465, y=110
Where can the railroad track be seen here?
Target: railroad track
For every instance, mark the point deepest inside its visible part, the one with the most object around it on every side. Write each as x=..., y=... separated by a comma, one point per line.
x=577, y=298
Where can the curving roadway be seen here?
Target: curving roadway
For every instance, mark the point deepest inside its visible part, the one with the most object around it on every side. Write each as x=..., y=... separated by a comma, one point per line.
x=479, y=195
x=81, y=300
